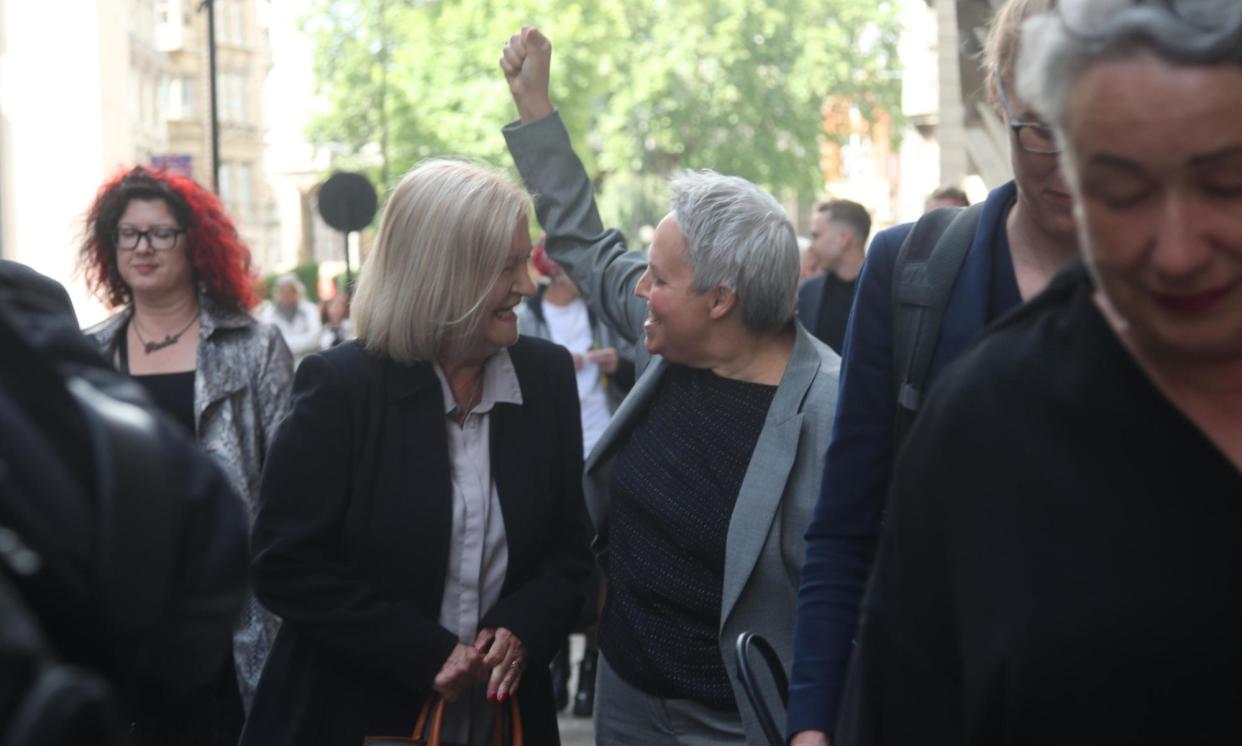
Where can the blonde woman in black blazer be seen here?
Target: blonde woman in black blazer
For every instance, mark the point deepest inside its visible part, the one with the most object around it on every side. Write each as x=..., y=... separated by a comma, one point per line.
x=369, y=542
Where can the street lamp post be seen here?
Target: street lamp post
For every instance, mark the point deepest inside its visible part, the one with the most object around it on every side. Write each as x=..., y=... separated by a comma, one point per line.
x=210, y=7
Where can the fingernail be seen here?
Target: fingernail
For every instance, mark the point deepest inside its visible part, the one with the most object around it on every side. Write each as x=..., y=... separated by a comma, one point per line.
x=491, y=697
x=504, y=696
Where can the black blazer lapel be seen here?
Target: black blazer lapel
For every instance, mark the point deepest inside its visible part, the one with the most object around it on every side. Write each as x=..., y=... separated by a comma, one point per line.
x=413, y=489
x=514, y=438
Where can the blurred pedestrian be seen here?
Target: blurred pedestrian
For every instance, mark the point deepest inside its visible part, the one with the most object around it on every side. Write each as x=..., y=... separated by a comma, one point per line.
x=946, y=196
x=422, y=531
x=701, y=485
x=162, y=247
x=338, y=327
x=839, y=233
x=925, y=294
x=1068, y=579
x=605, y=374
x=296, y=317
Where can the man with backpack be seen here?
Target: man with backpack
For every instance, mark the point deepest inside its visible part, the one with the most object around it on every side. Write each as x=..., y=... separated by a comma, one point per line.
x=926, y=292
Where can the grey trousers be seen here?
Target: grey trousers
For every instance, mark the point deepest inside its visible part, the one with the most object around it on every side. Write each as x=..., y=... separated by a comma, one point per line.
x=625, y=716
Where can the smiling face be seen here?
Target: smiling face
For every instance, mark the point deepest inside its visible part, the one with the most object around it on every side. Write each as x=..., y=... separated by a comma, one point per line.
x=499, y=327
x=678, y=316
x=1156, y=153
x=146, y=271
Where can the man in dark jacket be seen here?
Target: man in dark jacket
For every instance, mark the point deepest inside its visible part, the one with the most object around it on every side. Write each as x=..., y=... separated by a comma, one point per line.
x=132, y=545
x=839, y=234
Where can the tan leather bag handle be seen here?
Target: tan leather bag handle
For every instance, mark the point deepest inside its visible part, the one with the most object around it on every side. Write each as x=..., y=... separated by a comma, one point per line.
x=433, y=711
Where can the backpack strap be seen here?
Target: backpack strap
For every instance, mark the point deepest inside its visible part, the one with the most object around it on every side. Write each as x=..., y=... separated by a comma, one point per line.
x=923, y=278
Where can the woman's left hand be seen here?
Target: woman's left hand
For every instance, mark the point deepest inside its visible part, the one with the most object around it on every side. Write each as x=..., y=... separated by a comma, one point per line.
x=506, y=658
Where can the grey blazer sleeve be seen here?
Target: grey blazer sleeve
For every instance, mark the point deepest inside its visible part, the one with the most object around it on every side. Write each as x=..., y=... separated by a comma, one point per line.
x=605, y=272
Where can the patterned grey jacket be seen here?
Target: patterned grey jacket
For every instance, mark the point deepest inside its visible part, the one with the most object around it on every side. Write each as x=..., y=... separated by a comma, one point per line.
x=241, y=394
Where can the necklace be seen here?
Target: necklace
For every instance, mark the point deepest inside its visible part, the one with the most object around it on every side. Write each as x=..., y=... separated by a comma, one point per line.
x=168, y=341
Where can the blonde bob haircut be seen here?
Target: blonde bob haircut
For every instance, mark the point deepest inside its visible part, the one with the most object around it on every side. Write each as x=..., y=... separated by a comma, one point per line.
x=444, y=239
x=1000, y=49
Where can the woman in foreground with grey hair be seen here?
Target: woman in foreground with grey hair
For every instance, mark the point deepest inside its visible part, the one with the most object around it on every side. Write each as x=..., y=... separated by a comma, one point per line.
x=1077, y=580
x=702, y=484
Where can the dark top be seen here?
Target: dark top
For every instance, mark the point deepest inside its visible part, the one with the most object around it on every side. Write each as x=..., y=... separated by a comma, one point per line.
x=674, y=487
x=351, y=542
x=173, y=393
x=836, y=297
x=1073, y=580
x=842, y=535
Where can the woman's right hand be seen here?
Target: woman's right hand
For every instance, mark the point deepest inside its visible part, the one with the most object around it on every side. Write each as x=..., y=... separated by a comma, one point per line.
x=527, y=60
x=463, y=669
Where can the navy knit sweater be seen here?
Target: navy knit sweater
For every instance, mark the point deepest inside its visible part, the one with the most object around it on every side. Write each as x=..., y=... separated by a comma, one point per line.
x=673, y=491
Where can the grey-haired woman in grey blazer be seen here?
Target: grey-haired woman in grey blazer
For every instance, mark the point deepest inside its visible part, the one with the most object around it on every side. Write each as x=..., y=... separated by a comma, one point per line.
x=702, y=485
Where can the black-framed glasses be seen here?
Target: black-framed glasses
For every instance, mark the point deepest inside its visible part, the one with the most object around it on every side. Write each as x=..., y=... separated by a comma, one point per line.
x=1092, y=19
x=1033, y=137
x=159, y=238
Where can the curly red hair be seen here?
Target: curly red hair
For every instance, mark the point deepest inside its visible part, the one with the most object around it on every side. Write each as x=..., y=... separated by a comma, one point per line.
x=220, y=259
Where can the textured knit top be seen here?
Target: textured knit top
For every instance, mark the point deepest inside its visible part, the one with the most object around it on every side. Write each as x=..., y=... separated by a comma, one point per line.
x=673, y=491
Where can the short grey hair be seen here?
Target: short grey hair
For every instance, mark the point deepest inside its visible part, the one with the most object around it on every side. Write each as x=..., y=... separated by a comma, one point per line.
x=292, y=280
x=739, y=236
x=445, y=237
x=1053, y=56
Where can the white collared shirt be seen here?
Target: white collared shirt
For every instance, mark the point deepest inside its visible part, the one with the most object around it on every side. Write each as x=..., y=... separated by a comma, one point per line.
x=478, y=546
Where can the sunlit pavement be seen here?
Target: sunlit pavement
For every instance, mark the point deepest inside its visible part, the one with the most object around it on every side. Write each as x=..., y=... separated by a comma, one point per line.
x=575, y=731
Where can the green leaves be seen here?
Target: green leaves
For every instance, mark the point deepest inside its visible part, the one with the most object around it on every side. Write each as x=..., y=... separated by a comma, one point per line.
x=646, y=87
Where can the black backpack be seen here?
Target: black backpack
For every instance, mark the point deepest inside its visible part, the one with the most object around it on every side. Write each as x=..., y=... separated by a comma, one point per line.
x=44, y=702
x=64, y=537
x=923, y=277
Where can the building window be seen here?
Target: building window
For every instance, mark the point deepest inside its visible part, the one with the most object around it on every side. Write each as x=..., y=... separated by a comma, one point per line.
x=226, y=186
x=177, y=96
x=245, y=185
x=245, y=193
x=232, y=93
x=233, y=21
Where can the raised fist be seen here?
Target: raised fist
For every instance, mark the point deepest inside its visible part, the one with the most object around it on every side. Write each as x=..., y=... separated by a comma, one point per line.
x=526, y=60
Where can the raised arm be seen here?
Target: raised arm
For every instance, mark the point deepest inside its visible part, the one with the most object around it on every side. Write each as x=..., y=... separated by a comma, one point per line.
x=597, y=260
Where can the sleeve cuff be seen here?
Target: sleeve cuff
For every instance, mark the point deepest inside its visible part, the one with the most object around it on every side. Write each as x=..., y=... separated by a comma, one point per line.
x=531, y=142
x=811, y=708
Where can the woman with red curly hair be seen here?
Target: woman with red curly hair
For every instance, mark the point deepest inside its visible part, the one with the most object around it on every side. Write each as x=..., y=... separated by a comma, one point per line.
x=161, y=247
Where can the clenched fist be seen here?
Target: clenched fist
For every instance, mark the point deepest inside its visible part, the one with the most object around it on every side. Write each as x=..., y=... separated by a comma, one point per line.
x=526, y=60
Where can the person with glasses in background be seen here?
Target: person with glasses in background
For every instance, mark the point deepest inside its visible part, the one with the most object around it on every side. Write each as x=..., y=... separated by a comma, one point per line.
x=1008, y=248
x=161, y=247
x=1061, y=560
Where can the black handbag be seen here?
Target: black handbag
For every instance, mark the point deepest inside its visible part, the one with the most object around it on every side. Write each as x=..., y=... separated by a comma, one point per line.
x=746, y=642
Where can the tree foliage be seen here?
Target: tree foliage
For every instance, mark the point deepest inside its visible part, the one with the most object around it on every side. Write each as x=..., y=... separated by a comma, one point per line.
x=646, y=87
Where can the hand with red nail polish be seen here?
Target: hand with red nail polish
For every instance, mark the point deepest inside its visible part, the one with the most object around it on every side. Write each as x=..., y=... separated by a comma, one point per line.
x=506, y=657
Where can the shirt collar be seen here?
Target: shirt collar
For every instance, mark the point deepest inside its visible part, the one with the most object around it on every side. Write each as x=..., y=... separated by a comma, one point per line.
x=500, y=384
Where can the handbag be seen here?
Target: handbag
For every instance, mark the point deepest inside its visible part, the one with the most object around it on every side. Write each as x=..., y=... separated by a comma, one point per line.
x=430, y=725
x=750, y=684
